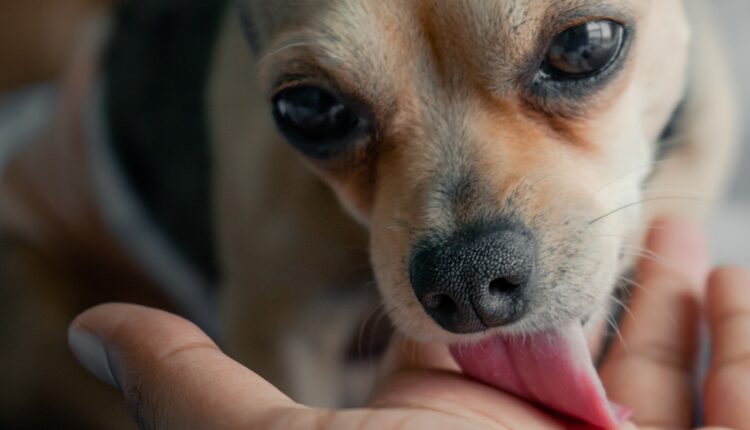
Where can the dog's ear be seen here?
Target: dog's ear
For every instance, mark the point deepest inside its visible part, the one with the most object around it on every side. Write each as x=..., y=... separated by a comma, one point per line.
x=248, y=13
x=260, y=19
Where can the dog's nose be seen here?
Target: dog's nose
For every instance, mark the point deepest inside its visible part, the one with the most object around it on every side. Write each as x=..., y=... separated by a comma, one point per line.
x=476, y=279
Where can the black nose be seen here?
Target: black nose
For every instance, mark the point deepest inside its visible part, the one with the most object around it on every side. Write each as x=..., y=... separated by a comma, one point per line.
x=476, y=279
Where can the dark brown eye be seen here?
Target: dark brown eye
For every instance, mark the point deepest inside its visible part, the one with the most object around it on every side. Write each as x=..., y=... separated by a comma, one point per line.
x=314, y=120
x=585, y=50
x=313, y=114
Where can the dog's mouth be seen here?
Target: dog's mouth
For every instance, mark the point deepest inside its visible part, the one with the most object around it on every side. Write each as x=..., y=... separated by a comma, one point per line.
x=553, y=369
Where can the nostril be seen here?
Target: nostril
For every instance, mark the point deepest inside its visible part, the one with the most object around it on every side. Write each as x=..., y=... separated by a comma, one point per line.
x=441, y=303
x=503, y=287
x=478, y=277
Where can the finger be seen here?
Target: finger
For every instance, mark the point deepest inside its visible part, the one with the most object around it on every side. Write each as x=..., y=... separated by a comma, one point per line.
x=172, y=375
x=727, y=388
x=651, y=370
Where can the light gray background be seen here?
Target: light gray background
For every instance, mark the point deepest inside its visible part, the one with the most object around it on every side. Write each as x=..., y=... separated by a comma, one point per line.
x=734, y=19
x=730, y=228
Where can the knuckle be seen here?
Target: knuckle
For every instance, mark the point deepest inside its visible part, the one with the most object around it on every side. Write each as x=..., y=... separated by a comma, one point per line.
x=663, y=355
x=738, y=318
x=738, y=363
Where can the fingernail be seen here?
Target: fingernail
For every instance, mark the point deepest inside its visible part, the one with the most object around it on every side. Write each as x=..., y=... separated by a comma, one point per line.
x=92, y=354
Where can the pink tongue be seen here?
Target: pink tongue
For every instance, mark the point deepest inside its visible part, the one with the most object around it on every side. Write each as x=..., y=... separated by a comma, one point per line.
x=552, y=369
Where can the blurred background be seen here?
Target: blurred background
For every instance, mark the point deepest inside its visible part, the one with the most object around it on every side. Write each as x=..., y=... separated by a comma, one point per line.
x=730, y=228
x=37, y=36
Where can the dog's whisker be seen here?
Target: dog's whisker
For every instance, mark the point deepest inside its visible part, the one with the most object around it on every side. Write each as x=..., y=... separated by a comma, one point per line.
x=655, y=191
x=612, y=323
x=646, y=200
x=375, y=325
x=647, y=252
x=623, y=176
x=625, y=308
x=649, y=165
x=672, y=188
x=667, y=191
x=363, y=326
x=651, y=295
x=650, y=255
x=630, y=229
x=609, y=318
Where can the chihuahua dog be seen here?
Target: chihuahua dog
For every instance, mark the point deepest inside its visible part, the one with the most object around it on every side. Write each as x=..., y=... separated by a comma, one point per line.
x=491, y=164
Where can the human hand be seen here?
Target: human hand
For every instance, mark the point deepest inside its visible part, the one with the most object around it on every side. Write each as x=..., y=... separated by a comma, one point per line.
x=174, y=377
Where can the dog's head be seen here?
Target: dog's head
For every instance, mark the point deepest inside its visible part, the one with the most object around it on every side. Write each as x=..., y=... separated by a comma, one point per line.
x=496, y=149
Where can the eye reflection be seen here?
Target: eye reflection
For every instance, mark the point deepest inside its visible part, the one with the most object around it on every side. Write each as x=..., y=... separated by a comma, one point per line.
x=585, y=49
x=314, y=120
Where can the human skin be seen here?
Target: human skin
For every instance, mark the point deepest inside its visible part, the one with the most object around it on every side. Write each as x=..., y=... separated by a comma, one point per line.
x=174, y=377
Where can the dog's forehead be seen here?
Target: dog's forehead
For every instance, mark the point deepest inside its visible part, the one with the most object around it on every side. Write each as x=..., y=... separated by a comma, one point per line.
x=371, y=38
x=478, y=17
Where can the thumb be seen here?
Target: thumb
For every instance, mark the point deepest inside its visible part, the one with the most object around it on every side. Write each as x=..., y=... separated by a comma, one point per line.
x=172, y=375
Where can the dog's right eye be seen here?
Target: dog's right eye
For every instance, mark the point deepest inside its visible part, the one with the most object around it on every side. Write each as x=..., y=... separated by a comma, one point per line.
x=314, y=120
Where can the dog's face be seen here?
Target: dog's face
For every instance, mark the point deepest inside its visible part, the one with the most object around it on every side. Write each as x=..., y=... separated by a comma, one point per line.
x=496, y=149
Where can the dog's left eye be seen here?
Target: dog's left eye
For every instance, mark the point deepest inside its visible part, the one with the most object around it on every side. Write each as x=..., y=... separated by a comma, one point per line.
x=584, y=50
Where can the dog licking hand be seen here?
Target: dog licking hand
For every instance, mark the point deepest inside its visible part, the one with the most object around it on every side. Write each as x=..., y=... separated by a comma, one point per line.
x=499, y=153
